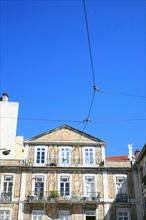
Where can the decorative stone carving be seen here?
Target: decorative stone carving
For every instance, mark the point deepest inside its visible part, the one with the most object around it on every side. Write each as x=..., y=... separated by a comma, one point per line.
x=118, y=164
x=100, y=183
x=77, y=212
x=111, y=186
x=28, y=183
x=63, y=135
x=77, y=155
x=31, y=153
x=101, y=212
x=77, y=187
x=52, y=181
x=98, y=155
x=15, y=212
x=52, y=154
x=52, y=211
x=17, y=184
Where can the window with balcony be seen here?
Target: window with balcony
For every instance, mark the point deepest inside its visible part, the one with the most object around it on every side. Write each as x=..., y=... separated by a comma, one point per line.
x=39, y=186
x=64, y=215
x=89, y=187
x=64, y=185
x=64, y=155
x=7, y=188
x=40, y=155
x=89, y=155
x=121, y=188
x=4, y=215
x=37, y=215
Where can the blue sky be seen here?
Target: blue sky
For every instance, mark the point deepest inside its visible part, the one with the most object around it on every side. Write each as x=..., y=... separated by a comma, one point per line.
x=45, y=66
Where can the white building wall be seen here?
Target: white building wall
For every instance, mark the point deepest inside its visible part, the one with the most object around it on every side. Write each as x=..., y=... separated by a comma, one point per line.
x=106, y=199
x=8, y=126
x=137, y=197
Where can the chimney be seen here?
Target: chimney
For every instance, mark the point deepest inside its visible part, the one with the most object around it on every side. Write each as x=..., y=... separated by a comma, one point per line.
x=137, y=152
x=5, y=97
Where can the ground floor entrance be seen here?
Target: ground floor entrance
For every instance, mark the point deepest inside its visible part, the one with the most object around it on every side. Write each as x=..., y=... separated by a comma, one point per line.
x=90, y=215
x=90, y=218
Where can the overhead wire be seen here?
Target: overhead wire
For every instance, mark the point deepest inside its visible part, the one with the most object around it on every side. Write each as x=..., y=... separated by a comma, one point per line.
x=87, y=119
x=93, y=77
x=89, y=42
x=122, y=94
x=92, y=66
x=77, y=121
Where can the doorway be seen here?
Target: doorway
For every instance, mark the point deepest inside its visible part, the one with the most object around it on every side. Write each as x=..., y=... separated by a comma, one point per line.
x=90, y=218
x=90, y=215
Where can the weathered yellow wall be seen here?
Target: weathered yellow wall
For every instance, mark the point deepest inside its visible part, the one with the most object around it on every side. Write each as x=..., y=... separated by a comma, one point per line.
x=19, y=150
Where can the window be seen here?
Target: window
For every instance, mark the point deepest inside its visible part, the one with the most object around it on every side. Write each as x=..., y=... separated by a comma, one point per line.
x=40, y=155
x=89, y=186
x=65, y=155
x=7, y=188
x=64, y=215
x=89, y=155
x=4, y=215
x=65, y=185
x=90, y=215
x=37, y=215
x=121, y=184
x=123, y=215
x=39, y=186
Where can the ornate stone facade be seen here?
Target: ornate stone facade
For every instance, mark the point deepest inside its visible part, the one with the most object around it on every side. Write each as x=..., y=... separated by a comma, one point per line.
x=111, y=186
x=84, y=185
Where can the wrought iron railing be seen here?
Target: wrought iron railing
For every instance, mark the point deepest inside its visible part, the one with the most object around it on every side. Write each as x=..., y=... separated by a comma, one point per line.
x=63, y=163
x=6, y=196
x=121, y=197
x=60, y=196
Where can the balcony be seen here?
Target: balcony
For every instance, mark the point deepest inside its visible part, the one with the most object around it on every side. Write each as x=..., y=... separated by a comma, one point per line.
x=122, y=198
x=62, y=163
x=6, y=196
x=57, y=197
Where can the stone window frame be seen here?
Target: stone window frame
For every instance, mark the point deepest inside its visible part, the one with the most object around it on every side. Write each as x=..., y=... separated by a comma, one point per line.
x=2, y=183
x=34, y=178
x=90, y=213
x=60, y=158
x=65, y=211
x=7, y=210
x=83, y=152
x=123, y=210
x=70, y=181
x=36, y=210
x=35, y=155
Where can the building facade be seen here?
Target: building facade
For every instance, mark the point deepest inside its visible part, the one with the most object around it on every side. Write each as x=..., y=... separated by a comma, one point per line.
x=64, y=174
x=8, y=125
x=140, y=166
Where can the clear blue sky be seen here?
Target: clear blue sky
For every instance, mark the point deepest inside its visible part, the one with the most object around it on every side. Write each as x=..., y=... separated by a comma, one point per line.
x=45, y=66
